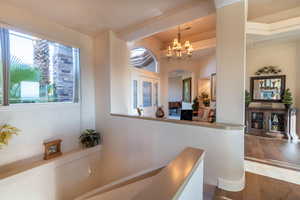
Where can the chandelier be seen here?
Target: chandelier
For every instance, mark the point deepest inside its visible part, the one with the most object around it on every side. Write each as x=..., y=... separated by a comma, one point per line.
x=176, y=49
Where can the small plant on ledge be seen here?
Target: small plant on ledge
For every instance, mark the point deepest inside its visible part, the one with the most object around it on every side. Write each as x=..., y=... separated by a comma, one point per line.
x=90, y=138
x=6, y=132
x=287, y=98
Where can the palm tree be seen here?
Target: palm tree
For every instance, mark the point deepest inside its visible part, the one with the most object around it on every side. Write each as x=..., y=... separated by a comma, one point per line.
x=20, y=72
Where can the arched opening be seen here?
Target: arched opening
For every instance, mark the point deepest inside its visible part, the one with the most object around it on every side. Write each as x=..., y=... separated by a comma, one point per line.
x=143, y=58
x=145, y=81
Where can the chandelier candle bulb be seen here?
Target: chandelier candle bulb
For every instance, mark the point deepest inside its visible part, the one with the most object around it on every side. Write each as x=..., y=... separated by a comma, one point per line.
x=178, y=49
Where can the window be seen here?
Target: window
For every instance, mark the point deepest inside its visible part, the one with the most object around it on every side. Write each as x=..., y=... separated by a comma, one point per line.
x=39, y=71
x=147, y=94
x=143, y=59
x=135, y=94
x=156, y=93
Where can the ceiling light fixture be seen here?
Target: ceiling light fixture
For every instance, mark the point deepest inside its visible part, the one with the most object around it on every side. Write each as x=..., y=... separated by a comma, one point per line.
x=176, y=49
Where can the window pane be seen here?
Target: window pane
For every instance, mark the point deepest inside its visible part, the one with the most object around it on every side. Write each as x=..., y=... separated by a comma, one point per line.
x=156, y=93
x=135, y=93
x=147, y=94
x=41, y=70
x=143, y=59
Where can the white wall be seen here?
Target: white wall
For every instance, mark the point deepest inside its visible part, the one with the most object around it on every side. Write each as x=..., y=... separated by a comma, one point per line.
x=298, y=86
x=231, y=62
x=120, y=76
x=42, y=122
x=175, y=89
x=61, y=179
x=133, y=145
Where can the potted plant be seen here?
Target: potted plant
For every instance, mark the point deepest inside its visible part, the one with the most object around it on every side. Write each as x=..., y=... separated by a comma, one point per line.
x=287, y=98
x=6, y=132
x=195, y=105
x=247, y=98
x=90, y=138
x=205, y=99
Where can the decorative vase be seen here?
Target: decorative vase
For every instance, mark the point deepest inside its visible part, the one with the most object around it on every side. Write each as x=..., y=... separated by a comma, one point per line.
x=160, y=112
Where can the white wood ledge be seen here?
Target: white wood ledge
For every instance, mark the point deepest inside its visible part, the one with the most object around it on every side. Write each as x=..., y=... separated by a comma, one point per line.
x=19, y=167
x=184, y=122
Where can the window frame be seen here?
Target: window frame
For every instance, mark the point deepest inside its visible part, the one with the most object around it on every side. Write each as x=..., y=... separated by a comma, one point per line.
x=5, y=54
x=157, y=71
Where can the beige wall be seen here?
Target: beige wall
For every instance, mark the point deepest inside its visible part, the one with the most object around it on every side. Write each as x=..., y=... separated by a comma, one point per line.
x=276, y=53
x=281, y=54
x=208, y=66
x=48, y=121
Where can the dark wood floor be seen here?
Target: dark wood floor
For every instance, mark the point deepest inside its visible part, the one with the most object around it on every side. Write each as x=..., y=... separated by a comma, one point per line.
x=262, y=188
x=276, y=151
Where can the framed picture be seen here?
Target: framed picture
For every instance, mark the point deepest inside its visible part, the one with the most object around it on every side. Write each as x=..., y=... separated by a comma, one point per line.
x=187, y=90
x=213, y=86
x=52, y=149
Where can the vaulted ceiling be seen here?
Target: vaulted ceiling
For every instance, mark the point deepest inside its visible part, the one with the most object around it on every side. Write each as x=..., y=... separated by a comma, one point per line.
x=93, y=16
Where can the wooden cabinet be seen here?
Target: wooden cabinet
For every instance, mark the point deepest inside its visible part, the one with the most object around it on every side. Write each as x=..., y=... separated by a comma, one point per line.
x=267, y=122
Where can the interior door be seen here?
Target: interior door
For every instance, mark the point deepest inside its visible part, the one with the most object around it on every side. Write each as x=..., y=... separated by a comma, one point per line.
x=147, y=96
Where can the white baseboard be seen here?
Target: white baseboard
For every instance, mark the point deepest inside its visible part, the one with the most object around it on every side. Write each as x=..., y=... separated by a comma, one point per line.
x=232, y=186
x=287, y=175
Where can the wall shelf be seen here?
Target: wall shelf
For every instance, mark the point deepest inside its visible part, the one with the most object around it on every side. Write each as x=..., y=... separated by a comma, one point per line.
x=21, y=166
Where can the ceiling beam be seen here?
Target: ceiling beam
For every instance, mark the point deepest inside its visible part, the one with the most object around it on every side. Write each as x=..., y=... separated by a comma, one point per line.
x=193, y=10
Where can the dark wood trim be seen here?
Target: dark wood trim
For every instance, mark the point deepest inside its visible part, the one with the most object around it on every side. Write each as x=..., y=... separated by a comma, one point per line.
x=190, y=81
x=283, y=85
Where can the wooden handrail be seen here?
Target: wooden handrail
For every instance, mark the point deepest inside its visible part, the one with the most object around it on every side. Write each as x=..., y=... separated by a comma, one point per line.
x=171, y=181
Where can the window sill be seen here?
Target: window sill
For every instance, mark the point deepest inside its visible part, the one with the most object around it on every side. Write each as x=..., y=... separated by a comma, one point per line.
x=222, y=126
x=32, y=106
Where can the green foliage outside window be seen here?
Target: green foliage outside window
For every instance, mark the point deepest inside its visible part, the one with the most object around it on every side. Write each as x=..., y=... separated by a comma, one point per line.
x=20, y=72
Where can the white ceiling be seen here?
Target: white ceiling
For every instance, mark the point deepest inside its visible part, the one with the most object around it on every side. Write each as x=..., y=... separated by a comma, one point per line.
x=93, y=16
